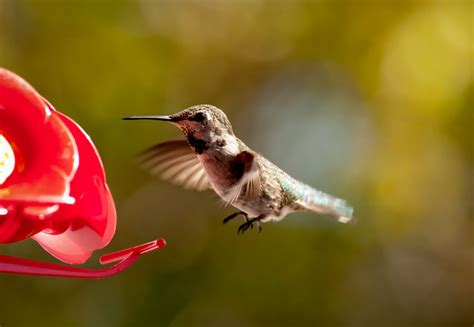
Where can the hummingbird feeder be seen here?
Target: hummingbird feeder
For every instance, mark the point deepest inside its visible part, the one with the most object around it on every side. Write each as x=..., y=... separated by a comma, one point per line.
x=53, y=188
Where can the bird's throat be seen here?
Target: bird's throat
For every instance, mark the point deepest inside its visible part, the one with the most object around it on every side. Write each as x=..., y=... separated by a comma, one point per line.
x=199, y=145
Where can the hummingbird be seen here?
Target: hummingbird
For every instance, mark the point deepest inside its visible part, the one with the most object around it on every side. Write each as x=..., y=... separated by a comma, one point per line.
x=212, y=157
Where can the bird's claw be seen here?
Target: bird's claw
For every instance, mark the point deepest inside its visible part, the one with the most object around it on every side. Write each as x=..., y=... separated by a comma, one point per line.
x=232, y=216
x=244, y=227
x=249, y=224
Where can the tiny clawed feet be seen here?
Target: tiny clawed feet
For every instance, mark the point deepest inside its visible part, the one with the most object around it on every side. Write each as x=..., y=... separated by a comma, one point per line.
x=232, y=216
x=249, y=224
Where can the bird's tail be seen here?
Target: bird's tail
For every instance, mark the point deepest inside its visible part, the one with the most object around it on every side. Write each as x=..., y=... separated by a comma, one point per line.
x=326, y=204
x=320, y=202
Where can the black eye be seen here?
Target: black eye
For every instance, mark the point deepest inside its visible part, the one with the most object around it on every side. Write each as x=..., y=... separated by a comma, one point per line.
x=199, y=117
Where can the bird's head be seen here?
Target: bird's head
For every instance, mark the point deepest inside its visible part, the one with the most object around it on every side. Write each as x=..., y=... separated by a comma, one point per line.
x=202, y=122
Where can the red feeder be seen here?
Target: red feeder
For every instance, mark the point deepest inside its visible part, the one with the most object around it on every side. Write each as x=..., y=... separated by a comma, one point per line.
x=53, y=187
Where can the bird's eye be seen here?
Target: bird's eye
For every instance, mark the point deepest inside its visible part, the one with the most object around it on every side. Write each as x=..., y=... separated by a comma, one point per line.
x=200, y=116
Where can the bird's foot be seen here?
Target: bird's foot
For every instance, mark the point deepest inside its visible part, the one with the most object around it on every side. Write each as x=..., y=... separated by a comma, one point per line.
x=249, y=224
x=232, y=216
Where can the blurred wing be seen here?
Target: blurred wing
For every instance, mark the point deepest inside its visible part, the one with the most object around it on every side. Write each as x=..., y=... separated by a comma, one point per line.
x=249, y=183
x=176, y=162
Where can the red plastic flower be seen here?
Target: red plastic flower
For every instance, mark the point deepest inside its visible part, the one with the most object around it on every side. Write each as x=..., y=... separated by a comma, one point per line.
x=52, y=183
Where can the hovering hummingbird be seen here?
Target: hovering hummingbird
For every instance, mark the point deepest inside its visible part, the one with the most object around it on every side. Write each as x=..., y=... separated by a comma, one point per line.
x=213, y=157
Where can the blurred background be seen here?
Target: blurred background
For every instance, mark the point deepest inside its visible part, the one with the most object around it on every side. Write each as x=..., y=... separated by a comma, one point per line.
x=367, y=100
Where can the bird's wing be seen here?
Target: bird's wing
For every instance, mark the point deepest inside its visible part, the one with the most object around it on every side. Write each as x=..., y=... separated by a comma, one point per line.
x=176, y=162
x=248, y=184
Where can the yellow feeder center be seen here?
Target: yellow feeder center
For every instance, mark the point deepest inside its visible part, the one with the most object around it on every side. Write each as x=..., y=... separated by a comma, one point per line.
x=7, y=159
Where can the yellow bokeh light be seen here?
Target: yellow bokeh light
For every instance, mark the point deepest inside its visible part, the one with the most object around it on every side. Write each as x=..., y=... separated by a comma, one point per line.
x=426, y=62
x=7, y=159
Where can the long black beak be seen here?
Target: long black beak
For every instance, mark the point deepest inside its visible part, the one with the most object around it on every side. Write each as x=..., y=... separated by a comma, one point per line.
x=162, y=118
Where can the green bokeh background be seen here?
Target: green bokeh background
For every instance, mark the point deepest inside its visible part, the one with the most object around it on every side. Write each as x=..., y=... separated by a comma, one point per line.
x=367, y=100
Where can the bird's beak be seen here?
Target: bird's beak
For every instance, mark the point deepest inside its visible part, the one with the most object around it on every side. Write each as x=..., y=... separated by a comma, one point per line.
x=172, y=119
